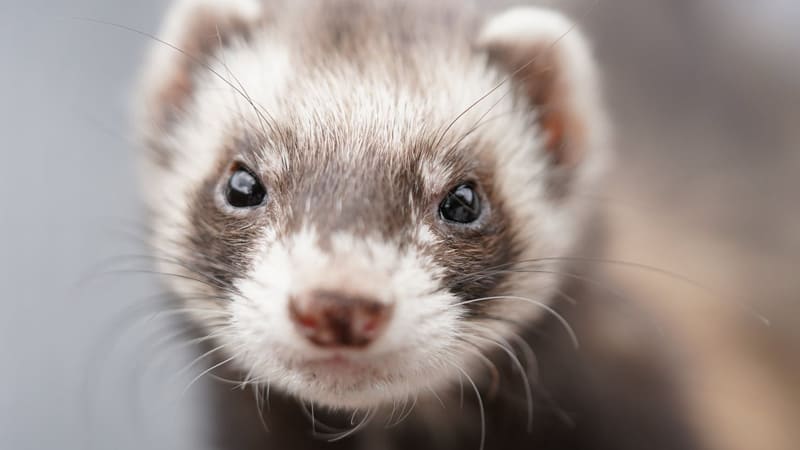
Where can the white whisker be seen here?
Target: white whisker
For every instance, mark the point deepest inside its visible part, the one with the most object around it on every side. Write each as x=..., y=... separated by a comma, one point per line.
x=549, y=309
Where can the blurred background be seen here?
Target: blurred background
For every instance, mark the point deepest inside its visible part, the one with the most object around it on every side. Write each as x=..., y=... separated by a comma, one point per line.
x=705, y=98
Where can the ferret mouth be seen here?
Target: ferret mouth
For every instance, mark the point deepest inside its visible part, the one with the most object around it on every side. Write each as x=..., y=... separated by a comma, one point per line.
x=349, y=372
x=350, y=379
x=334, y=361
x=343, y=380
x=344, y=364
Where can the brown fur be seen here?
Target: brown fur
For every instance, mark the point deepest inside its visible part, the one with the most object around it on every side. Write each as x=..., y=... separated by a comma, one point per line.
x=337, y=184
x=539, y=78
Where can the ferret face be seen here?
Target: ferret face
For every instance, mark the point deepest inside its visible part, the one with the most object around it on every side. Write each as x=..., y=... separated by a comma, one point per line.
x=349, y=201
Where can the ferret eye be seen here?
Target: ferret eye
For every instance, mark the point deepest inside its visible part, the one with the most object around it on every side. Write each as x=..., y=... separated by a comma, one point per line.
x=461, y=205
x=244, y=190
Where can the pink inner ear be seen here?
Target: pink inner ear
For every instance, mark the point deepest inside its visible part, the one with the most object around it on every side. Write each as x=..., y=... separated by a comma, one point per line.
x=537, y=69
x=564, y=137
x=205, y=31
x=171, y=96
x=552, y=124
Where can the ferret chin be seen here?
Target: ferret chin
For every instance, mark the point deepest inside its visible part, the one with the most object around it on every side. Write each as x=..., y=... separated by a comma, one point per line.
x=363, y=199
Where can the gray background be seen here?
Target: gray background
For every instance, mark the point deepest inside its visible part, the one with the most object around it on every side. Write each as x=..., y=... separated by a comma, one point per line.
x=706, y=101
x=70, y=376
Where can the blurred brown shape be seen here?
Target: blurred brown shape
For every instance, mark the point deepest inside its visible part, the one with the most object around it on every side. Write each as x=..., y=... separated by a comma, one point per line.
x=705, y=99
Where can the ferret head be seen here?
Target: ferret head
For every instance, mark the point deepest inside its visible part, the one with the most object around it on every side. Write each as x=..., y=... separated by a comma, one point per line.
x=350, y=194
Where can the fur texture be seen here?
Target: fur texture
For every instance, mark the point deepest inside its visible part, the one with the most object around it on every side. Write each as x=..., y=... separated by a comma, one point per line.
x=359, y=117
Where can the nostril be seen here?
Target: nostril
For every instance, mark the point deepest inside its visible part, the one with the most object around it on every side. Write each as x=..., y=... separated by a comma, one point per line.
x=336, y=319
x=372, y=325
x=306, y=324
x=303, y=316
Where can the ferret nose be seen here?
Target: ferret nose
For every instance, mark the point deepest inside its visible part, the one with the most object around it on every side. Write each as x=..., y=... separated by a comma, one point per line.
x=335, y=320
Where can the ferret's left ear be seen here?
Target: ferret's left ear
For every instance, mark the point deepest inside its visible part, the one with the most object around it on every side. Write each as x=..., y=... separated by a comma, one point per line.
x=193, y=32
x=549, y=61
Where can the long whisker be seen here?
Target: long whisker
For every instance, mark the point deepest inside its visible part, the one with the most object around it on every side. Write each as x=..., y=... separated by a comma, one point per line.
x=239, y=384
x=401, y=413
x=475, y=349
x=531, y=361
x=523, y=374
x=407, y=413
x=200, y=358
x=259, y=408
x=573, y=336
x=510, y=267
x=436, y=396
x=616, y=293
x=112, y=262
x=666, y=273
x=310, y=413
x=221, y=59
x=480, y=405
x=193, y=58
x=507, y=79
x=203, y=373
x=367, y=417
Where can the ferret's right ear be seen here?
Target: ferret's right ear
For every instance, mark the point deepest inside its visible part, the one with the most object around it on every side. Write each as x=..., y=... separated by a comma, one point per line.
x=193, y=32
x=550, y=62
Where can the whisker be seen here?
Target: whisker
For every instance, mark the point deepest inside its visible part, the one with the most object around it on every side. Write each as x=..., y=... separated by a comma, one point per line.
x=391, y=413
x=480, y=405
x=436, y=396
x=193, y=58
x=203, y=373
x=238, y=384
x=408, y=413
x=666, y=273
x=259, y=408
x=247, y=96
x=508, y=78
x=313, y=420
x=493, y=371
x=531, y=361
x=310, y=413
x=523, y=374
x=400, y=414
x=368, y=415
x=164, y=274
x=509, y=268
x=615, y=293
x=542, y=305
x=200, y=358
x=460, y=391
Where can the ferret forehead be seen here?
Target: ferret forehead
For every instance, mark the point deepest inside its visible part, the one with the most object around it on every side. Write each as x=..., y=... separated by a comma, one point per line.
x=384, y=104
x=402, y=114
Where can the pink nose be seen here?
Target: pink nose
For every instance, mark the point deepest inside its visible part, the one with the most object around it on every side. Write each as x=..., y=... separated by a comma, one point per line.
x=335, y=319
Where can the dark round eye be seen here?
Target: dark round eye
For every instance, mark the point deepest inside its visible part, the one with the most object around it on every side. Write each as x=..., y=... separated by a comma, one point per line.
x=244, y=190
x=461, y=205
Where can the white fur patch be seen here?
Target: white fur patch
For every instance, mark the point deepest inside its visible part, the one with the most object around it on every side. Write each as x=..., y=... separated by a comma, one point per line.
x=420, y=347
x=407, y=357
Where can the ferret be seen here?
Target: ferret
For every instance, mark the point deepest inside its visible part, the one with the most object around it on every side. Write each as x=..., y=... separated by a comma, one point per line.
x=372, y=212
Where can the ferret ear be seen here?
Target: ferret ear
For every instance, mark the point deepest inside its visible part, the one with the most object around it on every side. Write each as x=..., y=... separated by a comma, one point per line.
x=193, y=31
x=549, y=61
